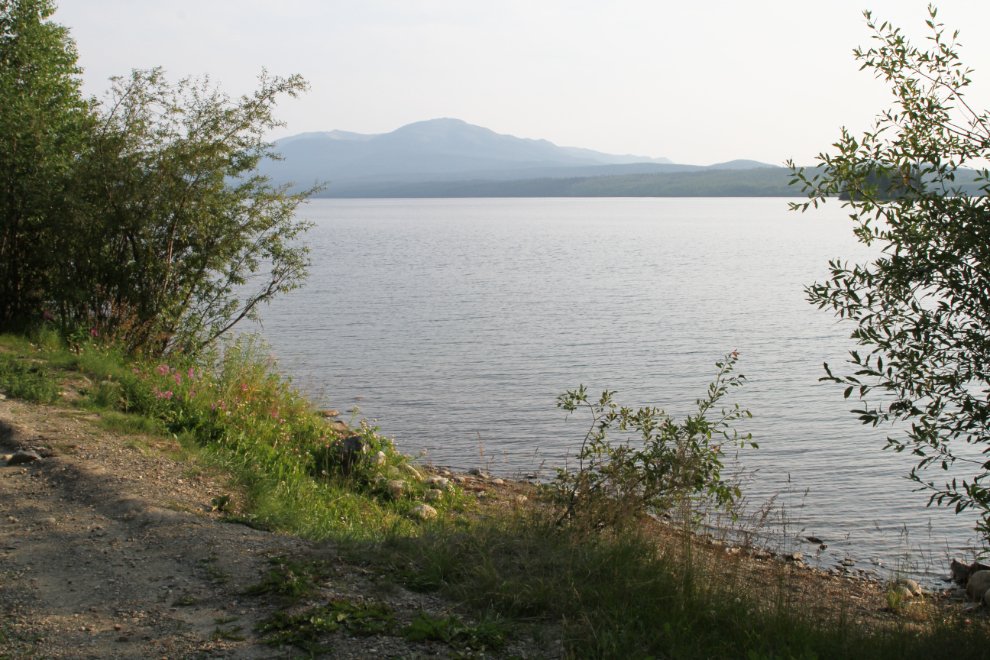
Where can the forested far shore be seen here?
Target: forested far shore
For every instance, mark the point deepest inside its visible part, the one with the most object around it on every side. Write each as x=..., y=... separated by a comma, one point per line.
x=765, y=182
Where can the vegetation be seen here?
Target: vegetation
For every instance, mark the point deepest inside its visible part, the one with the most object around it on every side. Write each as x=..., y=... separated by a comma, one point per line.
x=516, y=571
x=922, y=309
x=148, y=198
x=677, y=464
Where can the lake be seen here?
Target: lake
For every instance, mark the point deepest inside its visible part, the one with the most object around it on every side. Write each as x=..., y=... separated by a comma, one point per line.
x=455, y=323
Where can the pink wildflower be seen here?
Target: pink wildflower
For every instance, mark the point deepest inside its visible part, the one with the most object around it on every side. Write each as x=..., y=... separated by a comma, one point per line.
x=244, y=387
x=94, y=333
x=190, y=372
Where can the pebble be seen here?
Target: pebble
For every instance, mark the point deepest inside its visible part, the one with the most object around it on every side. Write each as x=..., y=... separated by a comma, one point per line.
x=910, y=585
x=423, y=512
x=438, y=482
x=23, y=457
x=50, y=521
x=848, y=562
x=497, y=482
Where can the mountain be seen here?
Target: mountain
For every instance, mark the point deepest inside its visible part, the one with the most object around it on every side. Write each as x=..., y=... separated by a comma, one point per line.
x=446, y=150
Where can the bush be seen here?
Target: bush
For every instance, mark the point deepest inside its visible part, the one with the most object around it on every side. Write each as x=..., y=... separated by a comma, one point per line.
x=674, y=462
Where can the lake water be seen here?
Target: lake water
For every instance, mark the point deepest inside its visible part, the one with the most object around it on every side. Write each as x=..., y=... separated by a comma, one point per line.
x=455, y=323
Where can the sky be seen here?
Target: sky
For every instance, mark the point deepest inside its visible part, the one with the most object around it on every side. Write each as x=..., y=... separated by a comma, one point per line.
x=696, y=82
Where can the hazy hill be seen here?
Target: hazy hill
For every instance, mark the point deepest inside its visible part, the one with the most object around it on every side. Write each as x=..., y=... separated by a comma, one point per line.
x=447, y=150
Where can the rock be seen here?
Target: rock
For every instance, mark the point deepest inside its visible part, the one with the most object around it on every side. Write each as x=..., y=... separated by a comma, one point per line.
x=329, y=413
x=432, y=495
x=795, y=556
x=961, y=572
x=23, y=457
x=977, y=585
x=475, y=472
x=459, y=480
x=380, y=459
x=986, y=601
x=910, y=585
x=761, y=554
x=848, y=562
x=423, y=512
x=902, y=591
x=497, y=482
x=392, y=471
x=350, y=451
x=438, y=482
x=2, y=396
x=396, y=487
x=521, y=498
x=378, y=479
x=46, y=521
x=412, y=472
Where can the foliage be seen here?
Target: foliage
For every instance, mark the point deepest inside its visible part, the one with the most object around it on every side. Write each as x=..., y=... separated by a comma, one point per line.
x=172, y=239
x=164, y=235
x=487, y=634
x=28, y=380
x=922, y=309
x=290, y=579
x=304, y=629
x=674, y=462
x=43, y=124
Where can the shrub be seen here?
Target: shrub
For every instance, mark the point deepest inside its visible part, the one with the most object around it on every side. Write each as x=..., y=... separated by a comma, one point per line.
x=673, y=463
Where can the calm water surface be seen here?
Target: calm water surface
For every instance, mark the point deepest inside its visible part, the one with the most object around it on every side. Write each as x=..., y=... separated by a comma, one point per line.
x=454, y=320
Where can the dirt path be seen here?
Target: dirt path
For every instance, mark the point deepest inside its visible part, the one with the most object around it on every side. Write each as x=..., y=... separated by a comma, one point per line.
x=110, y=550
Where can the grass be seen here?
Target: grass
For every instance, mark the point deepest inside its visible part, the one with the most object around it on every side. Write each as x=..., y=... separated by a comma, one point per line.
x=619, y=594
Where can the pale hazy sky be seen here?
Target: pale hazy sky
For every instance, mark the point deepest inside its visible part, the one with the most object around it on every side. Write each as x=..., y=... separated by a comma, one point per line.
x=696, y=82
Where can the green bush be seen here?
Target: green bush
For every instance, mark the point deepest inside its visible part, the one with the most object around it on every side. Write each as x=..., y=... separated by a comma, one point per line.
x=673, y=463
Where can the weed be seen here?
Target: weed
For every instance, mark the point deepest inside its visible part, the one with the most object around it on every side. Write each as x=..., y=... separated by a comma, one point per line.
x=230, y=634
x=223, y=620
x=488, y=634
x=221, y=503
x=215, y=574
x=31, y=380
x=290, y=579
x=303, y=630
x=184, y=601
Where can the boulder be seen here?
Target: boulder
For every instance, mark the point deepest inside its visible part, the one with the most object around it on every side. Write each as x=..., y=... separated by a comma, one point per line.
x=350, y=451
x=396, y=487
x=961, y=571
x=423, y=512
x=977, y=585
x=23, y=457
x=380, y=459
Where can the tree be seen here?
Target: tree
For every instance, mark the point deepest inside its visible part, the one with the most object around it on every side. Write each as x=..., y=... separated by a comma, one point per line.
x=173, y=238
x=43, y=123
x=922, y=309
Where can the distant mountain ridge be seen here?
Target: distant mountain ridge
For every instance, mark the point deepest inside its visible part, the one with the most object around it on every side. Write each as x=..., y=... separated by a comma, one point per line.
x=449, y=150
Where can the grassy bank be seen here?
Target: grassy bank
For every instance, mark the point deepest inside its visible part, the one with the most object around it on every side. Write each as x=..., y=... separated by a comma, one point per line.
x=628, y=593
